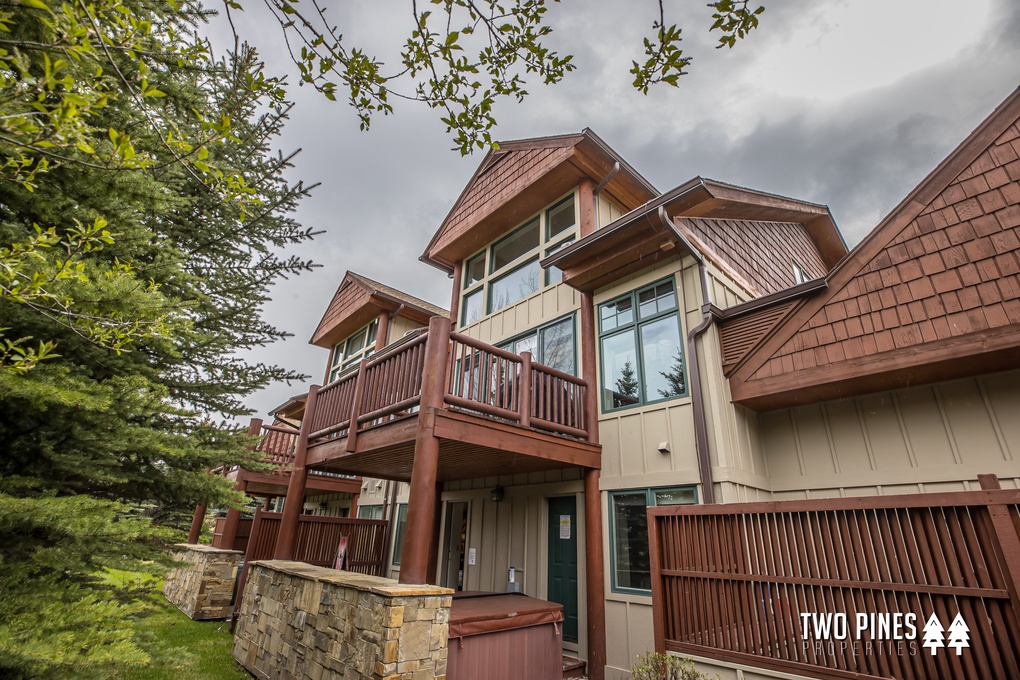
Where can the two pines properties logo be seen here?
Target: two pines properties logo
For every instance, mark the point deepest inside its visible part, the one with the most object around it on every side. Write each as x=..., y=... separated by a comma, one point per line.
x=881, y=633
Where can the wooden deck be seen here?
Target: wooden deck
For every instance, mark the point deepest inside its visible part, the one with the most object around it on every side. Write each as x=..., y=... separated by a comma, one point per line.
x=499, y=413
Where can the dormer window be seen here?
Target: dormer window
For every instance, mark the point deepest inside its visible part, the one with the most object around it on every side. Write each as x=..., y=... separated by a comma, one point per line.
x=799, y=275
x=508, y=270
x=352, y=350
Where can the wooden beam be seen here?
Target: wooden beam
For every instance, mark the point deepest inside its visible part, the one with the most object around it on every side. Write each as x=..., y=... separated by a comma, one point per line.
x=421, y=505
x=589, y=341
x=382, y=331
x=197, y=521
x=284, y=549
x=595, y=569
x=458, y=275
x=586, y=206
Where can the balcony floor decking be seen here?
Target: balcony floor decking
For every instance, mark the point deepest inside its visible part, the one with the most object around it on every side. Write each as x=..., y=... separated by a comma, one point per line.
x=471, y=445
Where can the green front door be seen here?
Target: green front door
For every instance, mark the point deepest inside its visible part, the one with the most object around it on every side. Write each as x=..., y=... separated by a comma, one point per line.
x=563, y=561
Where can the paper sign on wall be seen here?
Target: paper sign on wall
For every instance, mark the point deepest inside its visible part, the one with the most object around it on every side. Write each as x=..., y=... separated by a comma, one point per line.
x=565, y=526
x=471, y=555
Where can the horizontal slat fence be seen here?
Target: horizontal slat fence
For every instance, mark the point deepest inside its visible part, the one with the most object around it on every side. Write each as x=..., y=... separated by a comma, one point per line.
x=318, y=539
x=730, y=582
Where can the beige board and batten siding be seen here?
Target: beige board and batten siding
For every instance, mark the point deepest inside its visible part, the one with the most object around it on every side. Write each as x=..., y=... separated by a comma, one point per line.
x=921, y=439
x=608, y=211
x=399, y=326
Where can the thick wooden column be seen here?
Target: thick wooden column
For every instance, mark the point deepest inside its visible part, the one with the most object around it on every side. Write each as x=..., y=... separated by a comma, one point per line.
x=589, y=341
x=354, y=505
x=586, y=205
x=458, y=278
x=234, y=514
x=596, y=576
x=284, y=549
x=196, y=523
x=421, y=506
x=382, y=331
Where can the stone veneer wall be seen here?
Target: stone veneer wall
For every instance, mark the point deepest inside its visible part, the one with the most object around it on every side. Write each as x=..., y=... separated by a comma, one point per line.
x=204, y=588
x=300, y=621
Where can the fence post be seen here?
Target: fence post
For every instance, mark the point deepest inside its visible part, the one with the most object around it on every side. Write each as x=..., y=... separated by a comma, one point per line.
x=284, y=549
x=421, y=505
x=524, y=398
x=356, y=399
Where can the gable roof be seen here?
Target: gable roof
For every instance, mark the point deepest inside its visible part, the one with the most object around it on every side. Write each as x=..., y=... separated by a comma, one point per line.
x=518, y=179
x=358, y=300
x=932, y=293
x=650, y=233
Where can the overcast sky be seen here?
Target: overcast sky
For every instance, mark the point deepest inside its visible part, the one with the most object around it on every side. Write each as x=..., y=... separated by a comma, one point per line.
x=845, y=103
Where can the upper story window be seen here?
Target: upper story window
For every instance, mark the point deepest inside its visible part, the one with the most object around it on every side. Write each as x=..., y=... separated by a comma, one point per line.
x=639, y=343
x=508, y=270
x=352, y=350
x=552, y=345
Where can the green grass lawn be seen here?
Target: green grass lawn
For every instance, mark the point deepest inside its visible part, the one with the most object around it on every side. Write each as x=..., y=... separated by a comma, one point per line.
x=181, y=649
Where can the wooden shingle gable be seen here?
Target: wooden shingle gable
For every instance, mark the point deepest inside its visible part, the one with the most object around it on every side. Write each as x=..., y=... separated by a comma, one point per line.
x=520, y=178
x=932, y=293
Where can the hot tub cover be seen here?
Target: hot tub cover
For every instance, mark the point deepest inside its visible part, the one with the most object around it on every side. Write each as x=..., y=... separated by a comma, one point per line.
x=475, y=613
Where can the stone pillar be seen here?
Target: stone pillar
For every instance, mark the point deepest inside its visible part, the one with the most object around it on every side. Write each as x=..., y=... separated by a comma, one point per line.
x=300, y=621
x=203, y=587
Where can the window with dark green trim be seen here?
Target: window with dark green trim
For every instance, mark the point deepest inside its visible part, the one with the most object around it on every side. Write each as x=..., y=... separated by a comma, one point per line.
x=640, y=347
x=630, y=566
x=553, y=344
x=398, y=534
x=507, y=270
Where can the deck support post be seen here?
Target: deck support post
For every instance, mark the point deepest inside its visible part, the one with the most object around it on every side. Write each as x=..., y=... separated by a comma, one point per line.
x=284, y=549
x=196, y=523
x=234, y=514
x=419, y=532
x=354, y=505
x=594, y=566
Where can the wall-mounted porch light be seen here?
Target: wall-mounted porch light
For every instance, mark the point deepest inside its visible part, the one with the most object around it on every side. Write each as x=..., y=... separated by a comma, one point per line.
x=497, y=494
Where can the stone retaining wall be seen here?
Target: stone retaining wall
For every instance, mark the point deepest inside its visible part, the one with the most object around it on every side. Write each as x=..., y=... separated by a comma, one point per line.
x=204, y=589
x=300, y=621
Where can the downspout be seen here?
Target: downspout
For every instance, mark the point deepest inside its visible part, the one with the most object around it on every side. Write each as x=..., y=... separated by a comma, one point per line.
x=697, y=398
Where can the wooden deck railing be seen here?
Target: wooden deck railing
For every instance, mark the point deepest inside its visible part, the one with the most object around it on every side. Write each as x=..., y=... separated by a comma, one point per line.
x=479, y=377
x=743, y=583
x=318, y=539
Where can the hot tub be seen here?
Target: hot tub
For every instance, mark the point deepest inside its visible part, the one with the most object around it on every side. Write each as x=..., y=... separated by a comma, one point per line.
x=504, y=636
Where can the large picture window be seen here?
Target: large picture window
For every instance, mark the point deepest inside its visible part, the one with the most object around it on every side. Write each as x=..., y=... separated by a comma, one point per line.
x=640, y=347
x=352, y=350
x=628, y=529
x=508, y=270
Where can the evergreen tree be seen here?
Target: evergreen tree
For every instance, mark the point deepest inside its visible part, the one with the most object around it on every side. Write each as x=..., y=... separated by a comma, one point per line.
x=140, y=224
x=627, y=384
x=675, y=380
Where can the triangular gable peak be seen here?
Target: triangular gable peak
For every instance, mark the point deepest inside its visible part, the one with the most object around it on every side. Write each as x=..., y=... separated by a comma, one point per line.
x=931, y=294
x=358, y=300
x=519, y=179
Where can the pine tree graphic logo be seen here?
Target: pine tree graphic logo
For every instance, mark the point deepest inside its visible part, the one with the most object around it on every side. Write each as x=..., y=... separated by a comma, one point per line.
x=959, y=634
x=933, y=634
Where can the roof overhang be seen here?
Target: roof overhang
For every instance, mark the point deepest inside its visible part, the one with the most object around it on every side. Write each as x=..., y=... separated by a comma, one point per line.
x=648, y=234
x=575, y=157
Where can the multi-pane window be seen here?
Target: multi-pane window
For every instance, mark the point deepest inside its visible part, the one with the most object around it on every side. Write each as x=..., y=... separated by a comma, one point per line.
x=628, y=528
x=369, y=512
x=552, y=345
x=398, y=534
x=352, y=350
x=641, y=349
x=508, y=270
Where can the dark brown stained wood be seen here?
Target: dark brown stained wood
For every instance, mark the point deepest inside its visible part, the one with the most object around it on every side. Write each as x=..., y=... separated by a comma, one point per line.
x=730, y=582
x=781, y=226
x=931, y=294
x=761, y=253
x=739, y=335
x=521, y=178
x=358, y=300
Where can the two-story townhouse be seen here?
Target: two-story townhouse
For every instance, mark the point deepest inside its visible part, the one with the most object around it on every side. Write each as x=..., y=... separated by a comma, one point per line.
x=611, y=348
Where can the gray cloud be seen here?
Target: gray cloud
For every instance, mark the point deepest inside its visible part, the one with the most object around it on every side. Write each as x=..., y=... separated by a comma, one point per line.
x=385, y=193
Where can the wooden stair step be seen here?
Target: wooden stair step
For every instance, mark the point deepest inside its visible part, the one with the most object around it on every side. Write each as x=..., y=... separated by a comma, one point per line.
x=574, y=667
